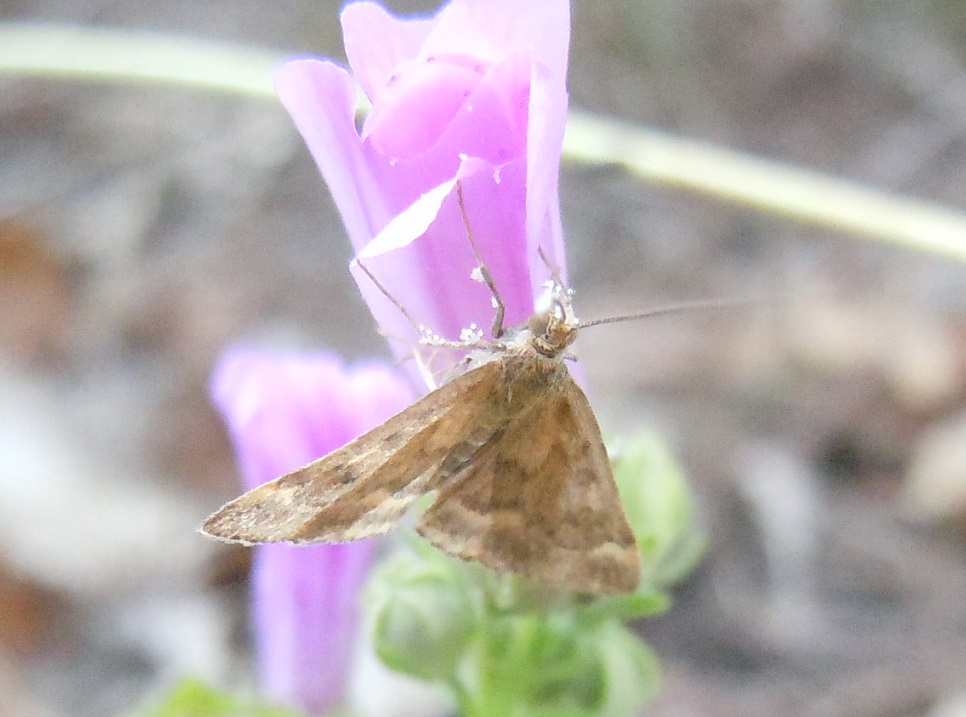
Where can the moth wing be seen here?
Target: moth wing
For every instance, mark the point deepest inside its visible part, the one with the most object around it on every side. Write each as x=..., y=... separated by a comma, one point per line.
x=364, y=487
x=540, y=500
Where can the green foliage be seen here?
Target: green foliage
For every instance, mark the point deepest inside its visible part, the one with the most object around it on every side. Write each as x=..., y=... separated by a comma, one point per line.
x=660, y=509
x=193, y=698
x=509, y=647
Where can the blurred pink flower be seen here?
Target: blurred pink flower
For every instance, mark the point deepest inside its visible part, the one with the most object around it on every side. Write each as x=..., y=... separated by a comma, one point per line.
x=283, y=411
x=476, y=94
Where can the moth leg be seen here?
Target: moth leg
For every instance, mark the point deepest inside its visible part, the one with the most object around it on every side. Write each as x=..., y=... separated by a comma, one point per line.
x=417, y=327
x=552, y=268
x=497, y=328
x=454, y=369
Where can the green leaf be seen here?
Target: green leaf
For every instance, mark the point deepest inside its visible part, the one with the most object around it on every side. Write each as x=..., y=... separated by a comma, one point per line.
x=632, y=670
x=193, y=698
x=622, y=608
x=660, y=509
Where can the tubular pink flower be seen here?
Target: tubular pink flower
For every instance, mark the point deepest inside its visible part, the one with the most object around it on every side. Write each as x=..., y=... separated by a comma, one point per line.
x=283, y=411
x=475, y=94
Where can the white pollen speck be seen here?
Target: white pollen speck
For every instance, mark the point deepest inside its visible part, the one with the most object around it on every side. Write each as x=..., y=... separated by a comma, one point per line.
x=471, y=334
x=496, y=176
x=494, y=303
x=477, y=275
x=394, y=161
x=463, y=156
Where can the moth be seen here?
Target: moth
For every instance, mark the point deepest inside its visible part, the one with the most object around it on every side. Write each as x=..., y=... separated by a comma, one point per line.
x=511, y=448
x=513, y=452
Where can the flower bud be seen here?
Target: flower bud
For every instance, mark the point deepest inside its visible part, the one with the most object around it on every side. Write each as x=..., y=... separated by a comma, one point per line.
x=422, y=614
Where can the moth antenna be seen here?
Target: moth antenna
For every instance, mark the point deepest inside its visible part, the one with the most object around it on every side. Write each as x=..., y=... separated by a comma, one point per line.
x=395, y=302
x=672, y=309
x=496, y=330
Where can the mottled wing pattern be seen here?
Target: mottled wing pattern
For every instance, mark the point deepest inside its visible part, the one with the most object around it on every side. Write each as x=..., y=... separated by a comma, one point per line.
x=364, y=488
x=539, y=498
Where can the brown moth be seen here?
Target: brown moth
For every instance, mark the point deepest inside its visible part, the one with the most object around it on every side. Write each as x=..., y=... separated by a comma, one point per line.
x=513, y=452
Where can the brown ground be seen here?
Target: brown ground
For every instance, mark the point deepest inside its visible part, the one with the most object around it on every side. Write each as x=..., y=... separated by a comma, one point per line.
x=143, y=230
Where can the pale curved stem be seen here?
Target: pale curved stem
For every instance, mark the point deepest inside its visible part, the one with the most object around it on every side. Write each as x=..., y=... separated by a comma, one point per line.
x=107, y=55
x=767, y=186
x=126, y=56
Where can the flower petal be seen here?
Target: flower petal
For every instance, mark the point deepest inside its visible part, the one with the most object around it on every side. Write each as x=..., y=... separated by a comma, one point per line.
x=283, y=411
x=306, y=617
x=322, y=101
x=417, y=105
x=425, y=260
x=377, y=42
x=548, y=113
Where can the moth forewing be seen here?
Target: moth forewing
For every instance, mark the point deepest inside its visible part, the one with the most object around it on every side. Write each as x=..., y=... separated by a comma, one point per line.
x=364, y=487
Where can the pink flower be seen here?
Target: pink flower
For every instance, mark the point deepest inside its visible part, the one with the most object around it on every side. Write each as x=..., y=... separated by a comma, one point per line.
x=475, y=94
x=283, y=411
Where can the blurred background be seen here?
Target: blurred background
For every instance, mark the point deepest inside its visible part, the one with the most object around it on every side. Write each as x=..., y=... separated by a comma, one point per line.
x=143, y=230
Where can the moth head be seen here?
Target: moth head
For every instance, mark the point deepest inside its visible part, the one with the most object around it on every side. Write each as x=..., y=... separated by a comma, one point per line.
x=553, y=326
